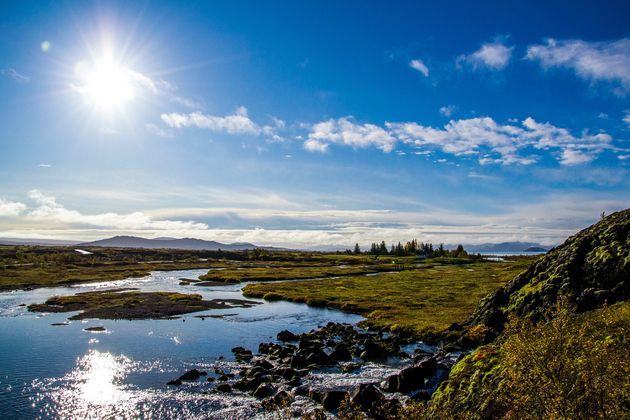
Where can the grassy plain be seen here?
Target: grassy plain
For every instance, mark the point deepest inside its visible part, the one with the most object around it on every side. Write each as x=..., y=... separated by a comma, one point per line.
x=422, y=300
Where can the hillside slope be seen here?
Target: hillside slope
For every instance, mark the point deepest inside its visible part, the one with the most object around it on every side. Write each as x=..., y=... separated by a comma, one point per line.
x=590, y=268
x=560, y=333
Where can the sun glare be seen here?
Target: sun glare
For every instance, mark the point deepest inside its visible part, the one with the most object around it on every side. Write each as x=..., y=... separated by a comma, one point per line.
x=105, y=84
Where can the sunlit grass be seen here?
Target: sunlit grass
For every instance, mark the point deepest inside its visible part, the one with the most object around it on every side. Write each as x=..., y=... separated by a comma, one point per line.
x=423, y=300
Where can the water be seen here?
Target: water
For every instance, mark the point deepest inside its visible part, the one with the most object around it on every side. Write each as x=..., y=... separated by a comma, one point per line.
x=63, y=371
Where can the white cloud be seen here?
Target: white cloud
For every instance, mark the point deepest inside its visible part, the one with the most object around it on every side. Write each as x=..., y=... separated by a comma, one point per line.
x=505, y=143
x=593, y=61
x=345, y=131
x=574, y=157
x=492, y=55
x=48, y=210
x=44, y=165
x=626, y=118
x=490, y=142
x=13, y=74
x=315, y=146
x=11, y=208
x=548, y=220
x=419, y=65
x=236, y=123
x=448, y=110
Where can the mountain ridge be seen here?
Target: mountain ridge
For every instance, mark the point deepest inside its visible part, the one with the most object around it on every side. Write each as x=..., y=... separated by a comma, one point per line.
x=125, y=241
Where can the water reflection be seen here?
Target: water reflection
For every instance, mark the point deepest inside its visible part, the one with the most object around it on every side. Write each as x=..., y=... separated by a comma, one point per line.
x=94, y=388
x=51, y=371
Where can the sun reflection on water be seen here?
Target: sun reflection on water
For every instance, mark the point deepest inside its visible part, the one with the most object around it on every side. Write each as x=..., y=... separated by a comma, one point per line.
x=96, y=389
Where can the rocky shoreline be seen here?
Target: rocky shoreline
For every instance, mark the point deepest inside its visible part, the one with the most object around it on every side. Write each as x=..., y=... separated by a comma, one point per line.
x=282, y=372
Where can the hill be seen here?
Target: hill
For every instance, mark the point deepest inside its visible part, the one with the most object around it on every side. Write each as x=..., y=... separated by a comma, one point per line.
x=170, y=243
x=591, y=267
x=556, y=337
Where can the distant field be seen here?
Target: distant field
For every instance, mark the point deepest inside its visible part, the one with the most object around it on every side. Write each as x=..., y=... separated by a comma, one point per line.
x=422, y=300
x=38, y=266
x=41, y=266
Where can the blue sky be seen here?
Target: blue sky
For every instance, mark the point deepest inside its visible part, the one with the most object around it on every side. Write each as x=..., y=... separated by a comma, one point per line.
x=315, y=124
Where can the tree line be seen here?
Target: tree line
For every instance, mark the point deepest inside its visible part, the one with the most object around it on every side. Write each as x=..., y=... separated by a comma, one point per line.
x=412, y=247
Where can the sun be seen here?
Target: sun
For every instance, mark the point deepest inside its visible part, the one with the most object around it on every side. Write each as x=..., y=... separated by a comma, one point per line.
x=105, y=84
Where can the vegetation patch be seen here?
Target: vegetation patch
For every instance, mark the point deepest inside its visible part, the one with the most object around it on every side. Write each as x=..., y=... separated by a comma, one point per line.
x=293, y=273
x=569, y=366
x=124, y=304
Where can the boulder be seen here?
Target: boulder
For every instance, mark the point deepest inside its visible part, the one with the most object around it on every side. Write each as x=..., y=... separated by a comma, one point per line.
x=341, y=354
x=374, y=351
x=287, y=335
x=331, y=400
x=224, y=388
x=366, y=396
x=192, y=375
x=264, y=391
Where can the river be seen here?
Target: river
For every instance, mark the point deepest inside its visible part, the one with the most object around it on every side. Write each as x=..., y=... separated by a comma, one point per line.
x=64, y=371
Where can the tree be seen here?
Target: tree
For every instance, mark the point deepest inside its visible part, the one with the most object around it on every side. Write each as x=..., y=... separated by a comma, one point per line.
x=357, y=249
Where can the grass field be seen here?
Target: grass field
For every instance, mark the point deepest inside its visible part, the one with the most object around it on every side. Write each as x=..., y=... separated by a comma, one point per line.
x=422, y=300
x=274, y=273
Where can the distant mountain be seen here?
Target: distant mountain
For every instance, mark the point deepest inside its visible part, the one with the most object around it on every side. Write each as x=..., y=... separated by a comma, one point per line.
x=507, y=247
x=535, y=249
x=173, y=243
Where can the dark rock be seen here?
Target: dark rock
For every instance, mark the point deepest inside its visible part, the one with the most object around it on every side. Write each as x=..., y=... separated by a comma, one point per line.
x=211, y=378
x=331, y=400
x=175, y=382
x=341, y=354
x=224, y=387
x=374, y=351
x=192, y=375
x=287, y=335
x=263, y=363
x=366, y=396
x=264, y=391
x=95, y=329
x=242, y=353
x=412, y=377
x=298, y=362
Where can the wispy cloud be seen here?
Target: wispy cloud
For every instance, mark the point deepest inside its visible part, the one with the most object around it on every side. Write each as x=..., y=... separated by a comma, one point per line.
x=49, y=210
x=492, y=55
x=448, y=110
x=419, y=65
x=15, y=75
x=549, y=221
x=236, y=123
x=158, y=131
x=592, y=61
x=44, y=165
